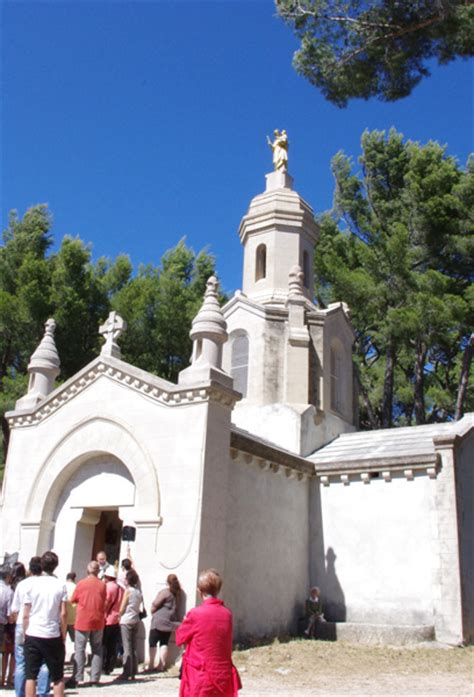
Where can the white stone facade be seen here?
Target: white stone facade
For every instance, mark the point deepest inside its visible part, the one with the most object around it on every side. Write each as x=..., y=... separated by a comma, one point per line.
x=252, y=463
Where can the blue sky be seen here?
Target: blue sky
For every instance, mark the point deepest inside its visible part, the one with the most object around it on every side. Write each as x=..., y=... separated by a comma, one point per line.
x=143, y=122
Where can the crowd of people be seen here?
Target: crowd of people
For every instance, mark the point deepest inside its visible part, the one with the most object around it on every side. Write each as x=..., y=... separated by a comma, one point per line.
x=103, y=611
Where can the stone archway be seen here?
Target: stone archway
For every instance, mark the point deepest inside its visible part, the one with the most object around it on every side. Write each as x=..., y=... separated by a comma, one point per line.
x=96, y=447
x=100, y=488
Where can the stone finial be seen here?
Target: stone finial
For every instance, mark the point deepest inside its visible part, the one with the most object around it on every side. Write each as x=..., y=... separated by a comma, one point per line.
x=209, y=328
x=208, y=332
x=112, y=328
x=43, y=368
x=295, y=283
x=46, y=355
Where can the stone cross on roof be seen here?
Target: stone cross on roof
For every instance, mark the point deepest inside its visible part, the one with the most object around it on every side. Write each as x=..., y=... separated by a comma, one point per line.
x=112, y=328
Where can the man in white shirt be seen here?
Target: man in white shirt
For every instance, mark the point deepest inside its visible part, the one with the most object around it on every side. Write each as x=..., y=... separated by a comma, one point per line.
x=17, y=616
x=45, y=624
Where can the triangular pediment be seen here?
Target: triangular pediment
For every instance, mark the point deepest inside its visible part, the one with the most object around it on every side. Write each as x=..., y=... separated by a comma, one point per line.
x=140, y=381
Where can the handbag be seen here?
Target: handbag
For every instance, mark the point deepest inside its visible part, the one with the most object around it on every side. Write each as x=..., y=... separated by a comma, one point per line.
x=142, y=614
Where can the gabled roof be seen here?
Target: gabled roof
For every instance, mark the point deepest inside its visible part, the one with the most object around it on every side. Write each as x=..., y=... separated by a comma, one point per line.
x=153, y=387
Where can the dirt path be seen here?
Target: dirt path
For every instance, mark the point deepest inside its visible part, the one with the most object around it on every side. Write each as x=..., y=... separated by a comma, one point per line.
x=305, y=669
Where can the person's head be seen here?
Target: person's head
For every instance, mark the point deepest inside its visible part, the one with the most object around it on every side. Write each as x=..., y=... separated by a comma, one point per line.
x=71, y=576
x=35, y=567
x=93, y=568
x=4, y=574
x=110, y=574
x=101, y=558
x=315, y=592
x=126, y=564
x=173, y=584
x=49, y=562
x=18, y=573
x=132, y=578
x=209, y=582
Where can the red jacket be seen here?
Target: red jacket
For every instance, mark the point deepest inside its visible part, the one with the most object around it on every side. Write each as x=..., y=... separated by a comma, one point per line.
x=207, y=662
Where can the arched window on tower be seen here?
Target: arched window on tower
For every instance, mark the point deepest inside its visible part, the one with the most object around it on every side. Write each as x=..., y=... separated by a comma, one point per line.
x=306, y=269
x=336, y=377
x=239, y=368
x=261, y=262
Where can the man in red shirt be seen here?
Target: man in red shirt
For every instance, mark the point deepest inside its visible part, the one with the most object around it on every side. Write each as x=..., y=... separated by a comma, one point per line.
x=112, y=619
x=89, y=596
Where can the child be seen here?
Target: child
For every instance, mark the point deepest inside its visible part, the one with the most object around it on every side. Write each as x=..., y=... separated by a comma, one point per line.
x=313, y=611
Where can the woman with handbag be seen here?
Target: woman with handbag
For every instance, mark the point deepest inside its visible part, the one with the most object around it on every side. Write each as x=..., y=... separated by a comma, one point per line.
x=129, y=625
x=163, y=621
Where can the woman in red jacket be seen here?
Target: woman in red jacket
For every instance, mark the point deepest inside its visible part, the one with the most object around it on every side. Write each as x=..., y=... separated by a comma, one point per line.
x=207, y=669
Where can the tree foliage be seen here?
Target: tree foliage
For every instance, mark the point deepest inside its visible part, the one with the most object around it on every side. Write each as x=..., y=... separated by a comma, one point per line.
x=399, y=249
x=352, y=48
x=79, y=293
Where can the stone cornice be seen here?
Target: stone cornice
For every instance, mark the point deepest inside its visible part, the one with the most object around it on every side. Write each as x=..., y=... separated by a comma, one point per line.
x=274, y=312
x=150, y=386
x=384, y=468
x=279, y=209
x=268, y=457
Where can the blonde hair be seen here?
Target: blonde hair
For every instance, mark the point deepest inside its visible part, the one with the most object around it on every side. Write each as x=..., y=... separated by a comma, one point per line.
x=210, y=582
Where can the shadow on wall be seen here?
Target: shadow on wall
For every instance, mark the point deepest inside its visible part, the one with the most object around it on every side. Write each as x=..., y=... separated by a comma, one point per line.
x=323, y=567
x=333, y=596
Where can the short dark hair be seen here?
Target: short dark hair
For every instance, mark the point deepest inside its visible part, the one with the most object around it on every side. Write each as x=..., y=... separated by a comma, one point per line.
x=18, y=573
x=35, y=566
x=126, y=564
x=71, y=576
x=132, y=578
x=4, y=573
x=49, y=562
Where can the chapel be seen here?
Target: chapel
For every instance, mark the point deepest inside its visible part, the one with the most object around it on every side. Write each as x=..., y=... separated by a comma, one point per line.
x=251, y=463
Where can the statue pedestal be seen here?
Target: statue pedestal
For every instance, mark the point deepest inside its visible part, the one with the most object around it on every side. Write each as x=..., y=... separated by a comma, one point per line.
x=279, y=180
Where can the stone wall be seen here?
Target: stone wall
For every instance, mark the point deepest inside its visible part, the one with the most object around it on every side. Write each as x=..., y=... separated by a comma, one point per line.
x=464, y=493
x=373, y=549
x=266, y=571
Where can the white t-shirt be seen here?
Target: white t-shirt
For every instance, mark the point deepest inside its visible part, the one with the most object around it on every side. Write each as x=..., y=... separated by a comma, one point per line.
x=45, y=595
x=18, y=603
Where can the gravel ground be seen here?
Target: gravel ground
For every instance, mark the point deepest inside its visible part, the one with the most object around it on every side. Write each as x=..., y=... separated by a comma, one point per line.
x=304, y=669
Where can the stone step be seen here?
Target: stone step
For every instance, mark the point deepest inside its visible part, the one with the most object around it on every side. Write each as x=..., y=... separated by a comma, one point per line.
x=359, y=633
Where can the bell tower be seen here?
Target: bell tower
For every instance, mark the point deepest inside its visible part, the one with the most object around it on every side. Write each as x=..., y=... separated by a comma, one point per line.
x=277, y=233
x=290, y=359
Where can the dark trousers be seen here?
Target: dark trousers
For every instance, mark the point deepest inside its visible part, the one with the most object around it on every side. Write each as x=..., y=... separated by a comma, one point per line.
x=110, y=643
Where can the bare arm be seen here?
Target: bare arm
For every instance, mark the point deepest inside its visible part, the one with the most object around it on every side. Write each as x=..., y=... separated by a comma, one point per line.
x=124, y=602
x=63, y=620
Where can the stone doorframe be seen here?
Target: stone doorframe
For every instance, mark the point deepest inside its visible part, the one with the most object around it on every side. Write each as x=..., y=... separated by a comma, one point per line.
x=88, y=439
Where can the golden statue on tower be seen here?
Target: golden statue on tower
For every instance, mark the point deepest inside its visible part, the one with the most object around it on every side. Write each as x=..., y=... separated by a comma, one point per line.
x=280, y=150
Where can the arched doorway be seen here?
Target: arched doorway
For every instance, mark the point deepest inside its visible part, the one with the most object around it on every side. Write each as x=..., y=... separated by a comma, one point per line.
x=94, y=503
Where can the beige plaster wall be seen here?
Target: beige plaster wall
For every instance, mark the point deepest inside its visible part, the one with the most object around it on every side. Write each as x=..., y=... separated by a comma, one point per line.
x=376, y=560
x=267, y=549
